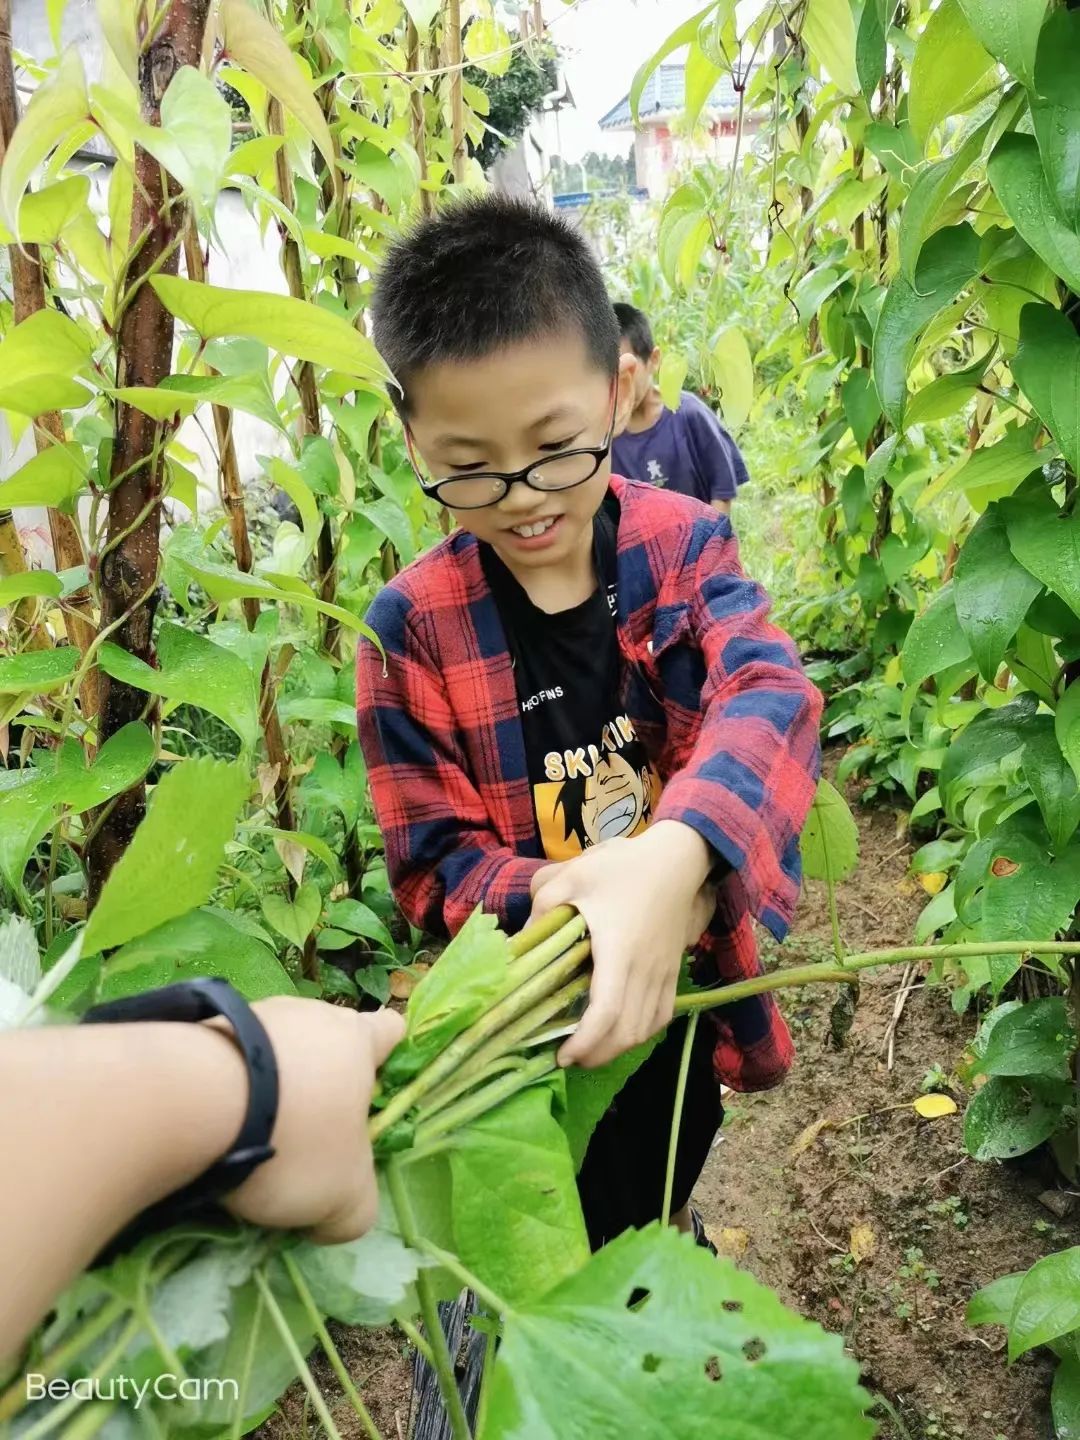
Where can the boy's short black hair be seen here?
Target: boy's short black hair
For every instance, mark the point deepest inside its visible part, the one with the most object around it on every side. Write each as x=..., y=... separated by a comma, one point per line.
x=488, y=271
x=634, y=327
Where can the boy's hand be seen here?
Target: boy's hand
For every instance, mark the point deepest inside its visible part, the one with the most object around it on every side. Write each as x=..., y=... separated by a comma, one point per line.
x=645, y=901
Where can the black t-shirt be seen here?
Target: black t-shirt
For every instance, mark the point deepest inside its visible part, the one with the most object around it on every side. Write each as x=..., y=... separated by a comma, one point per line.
x=590, y=777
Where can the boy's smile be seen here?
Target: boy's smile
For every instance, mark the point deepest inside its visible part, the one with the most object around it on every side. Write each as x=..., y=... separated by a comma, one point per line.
x=508, y=410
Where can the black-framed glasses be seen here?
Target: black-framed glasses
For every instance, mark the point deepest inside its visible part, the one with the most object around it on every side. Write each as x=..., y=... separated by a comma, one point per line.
x=561, y=471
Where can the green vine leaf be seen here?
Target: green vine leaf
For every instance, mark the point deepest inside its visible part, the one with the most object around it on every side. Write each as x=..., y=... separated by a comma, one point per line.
x=948, y=69
x=1055, y=110
x=1019, y=182
x=1047, y=1303
x=830, y=839
x=1009, y=29
x=1047, y=367
x=171, y=864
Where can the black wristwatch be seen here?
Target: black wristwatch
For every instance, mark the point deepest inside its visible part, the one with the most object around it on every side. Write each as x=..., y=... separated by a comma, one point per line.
x=195, y=1000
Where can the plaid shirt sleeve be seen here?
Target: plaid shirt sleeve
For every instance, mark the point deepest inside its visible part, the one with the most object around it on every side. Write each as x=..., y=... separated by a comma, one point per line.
x=749, y=781
x=442, y=855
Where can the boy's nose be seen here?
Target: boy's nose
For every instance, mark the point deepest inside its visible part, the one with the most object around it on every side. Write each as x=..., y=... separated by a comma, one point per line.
x=522, y=500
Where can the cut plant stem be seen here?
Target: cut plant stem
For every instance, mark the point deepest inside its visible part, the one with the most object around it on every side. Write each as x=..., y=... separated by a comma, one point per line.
x=535, y=959
x=453, y=1117
x=551, y=978
x=442, y=1364
x=534, y=934
x=676, y=1119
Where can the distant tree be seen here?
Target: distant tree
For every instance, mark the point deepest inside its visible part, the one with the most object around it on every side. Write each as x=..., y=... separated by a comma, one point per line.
x=602, y=172
x=514, y=98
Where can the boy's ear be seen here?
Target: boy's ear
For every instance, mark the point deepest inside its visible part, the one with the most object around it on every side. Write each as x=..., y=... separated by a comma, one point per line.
x=654, y=359
x=624, y=398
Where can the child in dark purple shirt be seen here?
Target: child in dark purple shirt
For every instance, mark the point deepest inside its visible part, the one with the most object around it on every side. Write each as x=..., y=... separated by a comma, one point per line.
x=687, y=450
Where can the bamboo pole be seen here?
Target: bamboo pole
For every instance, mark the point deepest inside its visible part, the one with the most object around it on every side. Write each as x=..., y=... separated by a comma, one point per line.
x=452, y=41
x=232, y=498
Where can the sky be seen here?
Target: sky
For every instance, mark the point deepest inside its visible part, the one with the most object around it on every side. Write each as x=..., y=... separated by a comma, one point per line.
x=603, y=42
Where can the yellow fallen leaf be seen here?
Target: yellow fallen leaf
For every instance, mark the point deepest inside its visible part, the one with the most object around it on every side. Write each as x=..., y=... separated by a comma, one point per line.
x=935, y=882
x=863, y=1243
x=806, y=1138
x=733, y=1242
x=933, y=1107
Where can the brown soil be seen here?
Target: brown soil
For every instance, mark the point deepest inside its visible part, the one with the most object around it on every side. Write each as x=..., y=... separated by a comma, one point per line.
x=789, y=1220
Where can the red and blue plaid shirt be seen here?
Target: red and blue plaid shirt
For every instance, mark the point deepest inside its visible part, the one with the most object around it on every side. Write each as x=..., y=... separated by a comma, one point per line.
x=714, y=691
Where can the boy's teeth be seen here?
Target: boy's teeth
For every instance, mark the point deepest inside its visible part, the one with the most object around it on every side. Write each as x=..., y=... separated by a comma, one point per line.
x=528, y=531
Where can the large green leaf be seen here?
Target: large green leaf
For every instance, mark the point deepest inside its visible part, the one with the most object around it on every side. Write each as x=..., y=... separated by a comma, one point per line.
x=363, y=1282
x=977, y=755
x=252, y=42
x=294, y=327
x=870, y=44
x=685, y=34
x=947, y=70
x=993, y=1304
x=1052, y=781
x=993, y=592
x=37, y=671
x=193, y=671
x=469, y=974
x=830, y=838
x=27, y=810
x=1055, y=110
x=935, y=640
x=948, y=393
x=1008, y=1117
x=1026, y=895
x=1047, y=366
x=589, y=1093
x=1009, y=29
x=45, y=214
x=517, y=1218
x=1048, y=1302
x=1016, y=174
x=707, y=1347
x=196, y=945
x=949, y=261
x=828, y=32
x=171, y=864
x=39, y=359
x=52, y=478
x=733, y=374
x=183, y=394
x=1036, y=1039
x=56, y=106
x=225, y=582
x=1046, y=541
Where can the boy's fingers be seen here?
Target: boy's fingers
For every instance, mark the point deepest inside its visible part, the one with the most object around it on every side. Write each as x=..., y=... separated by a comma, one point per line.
x=589, y=1044
x=548, y=890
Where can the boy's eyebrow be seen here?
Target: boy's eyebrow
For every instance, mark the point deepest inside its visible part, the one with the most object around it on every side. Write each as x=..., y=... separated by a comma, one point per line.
x=560, y=412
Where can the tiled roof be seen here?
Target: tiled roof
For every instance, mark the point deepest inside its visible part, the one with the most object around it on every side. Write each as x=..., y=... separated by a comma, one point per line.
x=665, y=94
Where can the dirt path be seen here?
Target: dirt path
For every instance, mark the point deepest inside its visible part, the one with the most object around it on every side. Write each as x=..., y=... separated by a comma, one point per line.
x=939, y=1225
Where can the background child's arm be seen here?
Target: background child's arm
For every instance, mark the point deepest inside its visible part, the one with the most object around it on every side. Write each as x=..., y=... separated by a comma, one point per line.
x=750, y=780
x=717, y=458
x=442, y=854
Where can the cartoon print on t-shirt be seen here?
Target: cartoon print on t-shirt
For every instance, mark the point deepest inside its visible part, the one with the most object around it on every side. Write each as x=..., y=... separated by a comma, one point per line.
x=595, y=793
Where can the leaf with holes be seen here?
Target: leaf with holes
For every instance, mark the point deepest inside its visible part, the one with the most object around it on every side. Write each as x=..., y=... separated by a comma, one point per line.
x=613, y=1340
x=830, y=838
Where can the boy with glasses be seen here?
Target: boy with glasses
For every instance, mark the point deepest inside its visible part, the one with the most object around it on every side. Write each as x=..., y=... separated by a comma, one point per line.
x=581, y=701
